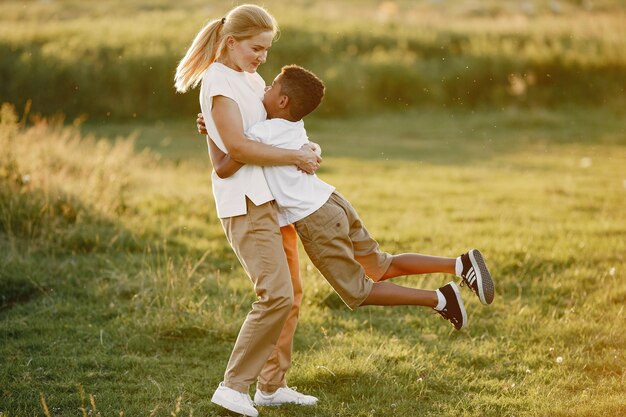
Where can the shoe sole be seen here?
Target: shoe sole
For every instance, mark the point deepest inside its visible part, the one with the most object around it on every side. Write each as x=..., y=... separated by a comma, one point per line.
x=459, y=300
x=483, y=277
x=235, y=408
x=278, y=404
x=270, y=402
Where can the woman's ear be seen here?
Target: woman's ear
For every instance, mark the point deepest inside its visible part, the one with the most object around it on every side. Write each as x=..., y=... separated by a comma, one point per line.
x=230, y=42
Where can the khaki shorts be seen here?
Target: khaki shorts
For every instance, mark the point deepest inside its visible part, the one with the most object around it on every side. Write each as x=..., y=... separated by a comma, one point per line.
x=341, y=248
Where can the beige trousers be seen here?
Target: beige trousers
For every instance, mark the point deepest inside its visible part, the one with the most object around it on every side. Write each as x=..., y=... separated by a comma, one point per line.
x=260, y=346
x=273, y=374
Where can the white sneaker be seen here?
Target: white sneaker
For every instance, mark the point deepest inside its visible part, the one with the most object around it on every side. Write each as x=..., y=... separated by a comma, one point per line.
x=284, y=395
x=235, y=401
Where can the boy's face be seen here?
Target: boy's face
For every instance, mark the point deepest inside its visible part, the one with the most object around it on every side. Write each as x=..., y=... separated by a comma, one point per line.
x=273, y=101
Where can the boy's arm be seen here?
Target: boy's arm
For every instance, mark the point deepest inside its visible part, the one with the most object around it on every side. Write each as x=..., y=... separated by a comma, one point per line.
x=223, y=164
x=262, y=132
x=229, y=124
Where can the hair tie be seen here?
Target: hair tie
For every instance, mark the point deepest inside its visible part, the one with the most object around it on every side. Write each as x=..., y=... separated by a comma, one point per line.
x=223, y=20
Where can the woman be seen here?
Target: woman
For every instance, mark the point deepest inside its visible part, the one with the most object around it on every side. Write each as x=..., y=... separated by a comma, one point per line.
x=224, y=57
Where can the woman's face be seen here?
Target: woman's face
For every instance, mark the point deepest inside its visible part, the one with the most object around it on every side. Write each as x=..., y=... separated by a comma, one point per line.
x=248, y=54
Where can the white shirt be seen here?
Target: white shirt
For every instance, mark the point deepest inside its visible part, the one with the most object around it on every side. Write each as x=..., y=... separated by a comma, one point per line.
x=297, y=194
x=246, y=90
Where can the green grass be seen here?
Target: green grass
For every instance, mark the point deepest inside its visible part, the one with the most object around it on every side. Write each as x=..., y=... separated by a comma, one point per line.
x=129, y=292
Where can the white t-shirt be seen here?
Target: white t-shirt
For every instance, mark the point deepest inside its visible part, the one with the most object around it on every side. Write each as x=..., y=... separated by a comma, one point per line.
x=246, y=90
x=297, y=194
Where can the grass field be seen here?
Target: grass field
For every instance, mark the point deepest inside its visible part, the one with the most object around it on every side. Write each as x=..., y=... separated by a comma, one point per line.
x=448, y=124
x=120, y=295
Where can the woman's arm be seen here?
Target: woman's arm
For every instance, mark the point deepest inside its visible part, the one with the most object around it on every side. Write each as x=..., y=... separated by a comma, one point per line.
x=228, y=122
x=223, y=164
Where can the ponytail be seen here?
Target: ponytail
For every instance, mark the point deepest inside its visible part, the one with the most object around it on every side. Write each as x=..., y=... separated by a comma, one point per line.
x=242, y=22
x=200, y=55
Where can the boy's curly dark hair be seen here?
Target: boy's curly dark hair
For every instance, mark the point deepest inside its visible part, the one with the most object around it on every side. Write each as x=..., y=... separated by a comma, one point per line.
x=304, y=89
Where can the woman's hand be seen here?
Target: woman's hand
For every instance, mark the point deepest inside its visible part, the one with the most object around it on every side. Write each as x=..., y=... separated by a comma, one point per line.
x=316, y=148
x=200, y=124
x=309, y=161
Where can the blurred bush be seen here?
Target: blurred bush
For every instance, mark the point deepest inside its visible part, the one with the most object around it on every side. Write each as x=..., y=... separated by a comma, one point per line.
x=61, y=189
x=122, y=66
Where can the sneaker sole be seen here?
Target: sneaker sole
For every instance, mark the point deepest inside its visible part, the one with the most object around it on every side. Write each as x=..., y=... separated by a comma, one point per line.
x=235, y=408
x=485, y=283
x=278, y=404
x=455, y=288
x=264, y=402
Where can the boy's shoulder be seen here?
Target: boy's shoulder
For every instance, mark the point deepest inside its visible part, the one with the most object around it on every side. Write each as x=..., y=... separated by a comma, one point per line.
x=277, y=127
x=280, y=124
x=288, y=124
x=283, y=126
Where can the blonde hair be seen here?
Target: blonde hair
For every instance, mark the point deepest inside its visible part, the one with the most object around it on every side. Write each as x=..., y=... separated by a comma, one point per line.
x=241, y=23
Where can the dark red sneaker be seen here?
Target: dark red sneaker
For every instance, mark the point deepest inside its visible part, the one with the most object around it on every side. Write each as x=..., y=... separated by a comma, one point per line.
x=476, y=275
x=454, y=310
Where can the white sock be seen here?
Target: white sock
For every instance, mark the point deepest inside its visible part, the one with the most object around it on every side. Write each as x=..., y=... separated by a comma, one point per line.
x=441, y=303
x=458, y=268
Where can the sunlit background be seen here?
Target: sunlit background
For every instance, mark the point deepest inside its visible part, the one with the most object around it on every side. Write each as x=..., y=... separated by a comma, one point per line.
x=448, y=125
x=116, y=59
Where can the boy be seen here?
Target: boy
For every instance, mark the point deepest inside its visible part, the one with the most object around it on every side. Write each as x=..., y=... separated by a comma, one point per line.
x=330, y=230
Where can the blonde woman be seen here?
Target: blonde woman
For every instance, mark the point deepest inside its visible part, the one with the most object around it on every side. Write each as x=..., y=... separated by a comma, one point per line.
x=224, y=58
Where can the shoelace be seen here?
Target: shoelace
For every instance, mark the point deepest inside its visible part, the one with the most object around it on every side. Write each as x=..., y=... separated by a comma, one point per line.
x=299, y=395
x=444, y=313
x=462, y=284
x=301, y=398
x=247, y=399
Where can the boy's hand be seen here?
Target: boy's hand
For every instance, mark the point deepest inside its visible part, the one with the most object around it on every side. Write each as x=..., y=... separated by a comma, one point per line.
x=200, y=124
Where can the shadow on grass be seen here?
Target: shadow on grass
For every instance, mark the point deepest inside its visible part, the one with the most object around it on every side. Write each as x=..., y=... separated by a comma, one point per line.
x=15, y=288
x=48, y=235
x=44, y=228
